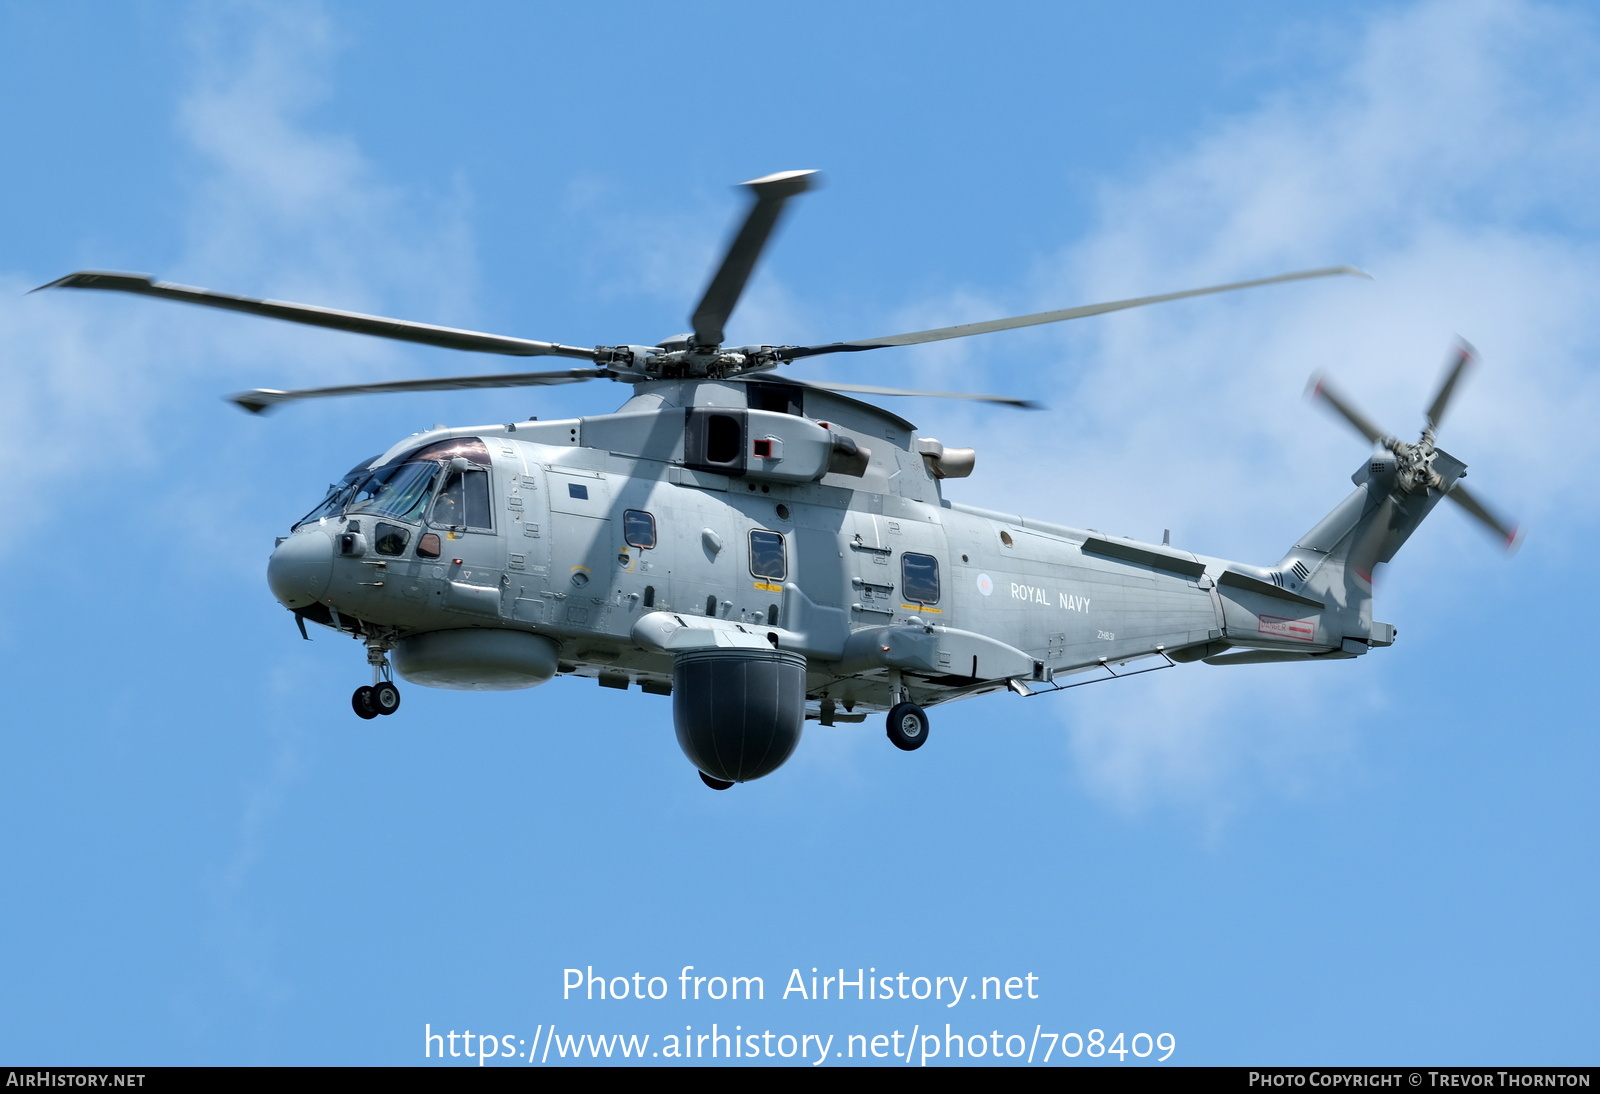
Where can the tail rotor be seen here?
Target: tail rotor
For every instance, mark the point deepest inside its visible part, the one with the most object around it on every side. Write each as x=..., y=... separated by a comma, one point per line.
x=1414, y=471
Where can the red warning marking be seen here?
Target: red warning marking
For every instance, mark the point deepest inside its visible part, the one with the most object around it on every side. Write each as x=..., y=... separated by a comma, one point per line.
x=1302, y=630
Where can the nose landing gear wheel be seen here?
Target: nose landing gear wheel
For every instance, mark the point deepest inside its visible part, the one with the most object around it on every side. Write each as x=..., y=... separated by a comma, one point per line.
x=361, y=702
x=907, y=727
x=385, y=698
x=715, y=784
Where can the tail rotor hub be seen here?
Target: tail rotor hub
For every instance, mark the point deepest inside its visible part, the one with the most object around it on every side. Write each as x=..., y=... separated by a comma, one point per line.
x=1415, y=473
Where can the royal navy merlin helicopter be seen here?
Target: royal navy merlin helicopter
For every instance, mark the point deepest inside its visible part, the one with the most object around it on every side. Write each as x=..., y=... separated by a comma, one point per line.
x=771, y=550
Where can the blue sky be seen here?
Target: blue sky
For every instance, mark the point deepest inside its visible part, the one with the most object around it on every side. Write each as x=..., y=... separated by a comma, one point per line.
x=1388, y=860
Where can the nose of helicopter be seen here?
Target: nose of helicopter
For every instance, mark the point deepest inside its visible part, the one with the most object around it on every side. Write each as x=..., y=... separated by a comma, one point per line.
x=301, y=568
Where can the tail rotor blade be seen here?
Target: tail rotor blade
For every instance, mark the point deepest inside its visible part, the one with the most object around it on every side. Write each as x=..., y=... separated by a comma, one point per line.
x=1464, y=355
x=727, y=285
x=1318, y=389
x=1510, y=534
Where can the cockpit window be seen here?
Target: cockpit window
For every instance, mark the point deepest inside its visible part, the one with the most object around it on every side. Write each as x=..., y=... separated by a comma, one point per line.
x=402, y=487
x=470, y=449
x=338, y=495
x=399, y=491
x=390, y=539
x=463, y=502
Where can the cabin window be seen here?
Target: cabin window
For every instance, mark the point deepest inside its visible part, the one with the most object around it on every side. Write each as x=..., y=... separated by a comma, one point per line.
x=464, y=501
x=639, y=529
x=767, y=558
x=919, y=578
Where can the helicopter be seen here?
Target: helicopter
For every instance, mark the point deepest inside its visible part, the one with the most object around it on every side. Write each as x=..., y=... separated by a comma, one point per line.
x=769, y=550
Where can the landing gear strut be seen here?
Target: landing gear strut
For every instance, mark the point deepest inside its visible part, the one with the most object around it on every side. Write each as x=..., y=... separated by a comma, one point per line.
x=382, y=697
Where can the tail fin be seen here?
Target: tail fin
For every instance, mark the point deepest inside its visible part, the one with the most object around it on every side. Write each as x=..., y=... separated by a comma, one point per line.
x=1334, y=562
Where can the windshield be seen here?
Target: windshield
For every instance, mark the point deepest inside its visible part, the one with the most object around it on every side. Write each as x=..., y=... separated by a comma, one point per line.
x=398, y=491
x=401, y=489
x=338, y=495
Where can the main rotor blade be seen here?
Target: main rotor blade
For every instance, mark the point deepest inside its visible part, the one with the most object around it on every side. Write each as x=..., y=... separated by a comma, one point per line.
x=964, y=330
x=263, y=399
x=1318, y=389
x=868, y=389
x=310, y=314
x=1510, y=535
x=1464, y=354
x=727, y=285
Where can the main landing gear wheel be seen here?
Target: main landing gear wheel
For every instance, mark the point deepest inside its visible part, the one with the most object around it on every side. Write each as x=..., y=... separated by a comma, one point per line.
x=715, y=784
x=907, y=727
x=361, y=702
x=385, y=698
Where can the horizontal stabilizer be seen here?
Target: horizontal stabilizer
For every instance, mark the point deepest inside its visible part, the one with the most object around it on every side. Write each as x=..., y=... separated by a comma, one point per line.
x=1266, y=588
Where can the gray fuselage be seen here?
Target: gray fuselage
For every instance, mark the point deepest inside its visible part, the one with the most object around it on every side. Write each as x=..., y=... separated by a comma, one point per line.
x=609, y=536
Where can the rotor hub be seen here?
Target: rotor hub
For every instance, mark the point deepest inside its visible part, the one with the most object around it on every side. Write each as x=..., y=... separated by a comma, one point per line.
x=1414, y=465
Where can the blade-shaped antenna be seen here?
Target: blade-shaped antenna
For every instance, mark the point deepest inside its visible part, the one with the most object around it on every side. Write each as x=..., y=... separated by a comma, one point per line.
x=869, y=389
x=727, y=285
x=1464, y=354
x=264, y=399
x=966, y=330
x=1318, y=389
x=1510, y=534
x=355, y=322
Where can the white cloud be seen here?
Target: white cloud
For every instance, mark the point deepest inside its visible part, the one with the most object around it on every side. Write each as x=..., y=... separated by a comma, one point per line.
x=1195, y=739
x=302, y=209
